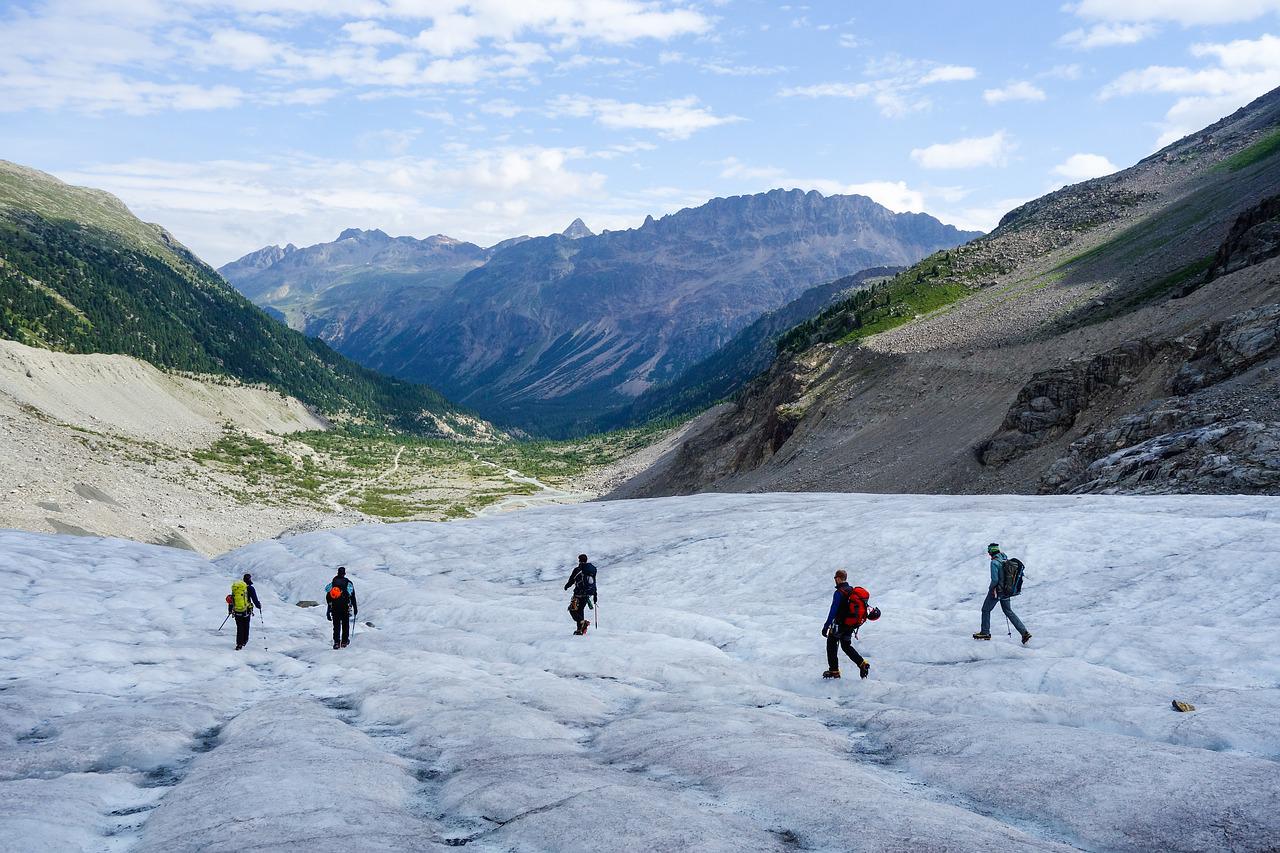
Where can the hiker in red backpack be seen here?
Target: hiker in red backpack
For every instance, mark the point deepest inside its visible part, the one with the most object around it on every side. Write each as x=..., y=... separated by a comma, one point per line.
x=848, y=613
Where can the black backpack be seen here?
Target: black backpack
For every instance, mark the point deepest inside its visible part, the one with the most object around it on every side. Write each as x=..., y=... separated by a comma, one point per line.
x=1012, y=573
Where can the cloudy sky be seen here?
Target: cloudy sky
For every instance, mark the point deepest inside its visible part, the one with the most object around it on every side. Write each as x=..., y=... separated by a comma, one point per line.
x=240, y=123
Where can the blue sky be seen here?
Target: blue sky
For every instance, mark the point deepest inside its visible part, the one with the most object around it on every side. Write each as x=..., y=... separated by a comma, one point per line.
x=242, y=123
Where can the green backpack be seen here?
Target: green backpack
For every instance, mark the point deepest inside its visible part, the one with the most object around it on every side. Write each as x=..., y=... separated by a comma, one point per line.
x=240, y=597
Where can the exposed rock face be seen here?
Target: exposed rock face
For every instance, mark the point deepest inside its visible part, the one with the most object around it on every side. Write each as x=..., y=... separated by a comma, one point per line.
x=1048, y=405
x=1195, y=441
x=577, y=229
x=1254, y=237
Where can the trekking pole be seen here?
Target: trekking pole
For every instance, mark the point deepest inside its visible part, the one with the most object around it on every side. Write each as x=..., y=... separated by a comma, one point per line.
x=264, y=632
x=1007, y=626
x=224, y=622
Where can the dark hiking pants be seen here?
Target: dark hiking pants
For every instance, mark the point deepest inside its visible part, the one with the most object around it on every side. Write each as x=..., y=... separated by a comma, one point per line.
x=341, y=626
x=242, y=629
x=577, y=605
x=841, y=637
x=990, y=604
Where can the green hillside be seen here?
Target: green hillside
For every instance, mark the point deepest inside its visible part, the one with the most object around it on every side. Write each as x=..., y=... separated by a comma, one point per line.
x=79, y=273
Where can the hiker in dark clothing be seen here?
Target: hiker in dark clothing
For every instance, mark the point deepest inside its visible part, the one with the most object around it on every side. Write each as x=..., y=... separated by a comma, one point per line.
x=340, y=598
x=243, y=599
x=848, y=612
x=583, y=581
x=998, y=559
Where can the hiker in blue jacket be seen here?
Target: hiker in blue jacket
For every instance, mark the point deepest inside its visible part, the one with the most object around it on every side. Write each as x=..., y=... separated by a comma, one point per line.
x=848, y=612
x=993, y=595
x=340, y=601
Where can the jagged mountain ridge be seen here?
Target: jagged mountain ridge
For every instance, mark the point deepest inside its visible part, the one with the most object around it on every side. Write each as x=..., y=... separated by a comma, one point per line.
x=79, y=273
x=308, y=286
x=553, y=333
x=1008, y=364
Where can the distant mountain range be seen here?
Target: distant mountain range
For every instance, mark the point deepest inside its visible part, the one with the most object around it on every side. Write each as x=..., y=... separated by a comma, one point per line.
x=79, y=273
x=557, y=334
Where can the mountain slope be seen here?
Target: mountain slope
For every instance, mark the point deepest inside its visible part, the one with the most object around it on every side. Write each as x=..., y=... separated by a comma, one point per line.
x=696, y=721
x=981, y=368
x=79, y=273
x=748, y=354
x=555, y=332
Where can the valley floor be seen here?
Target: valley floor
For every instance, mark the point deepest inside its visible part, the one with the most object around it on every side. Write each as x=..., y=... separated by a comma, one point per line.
x=108, y=445
x=694, y=717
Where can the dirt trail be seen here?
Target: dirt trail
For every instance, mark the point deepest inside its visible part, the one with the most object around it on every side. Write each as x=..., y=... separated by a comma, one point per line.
x=338, y=508
x=545, y=496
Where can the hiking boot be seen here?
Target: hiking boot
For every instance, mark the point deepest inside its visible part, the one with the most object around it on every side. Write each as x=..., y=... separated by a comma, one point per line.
x=1026, y=636
x=864, y=668
x=238, y=648
x=831, y=673
x=982, y=635
x=585, y=625
x=337, y=645
x=344, y=645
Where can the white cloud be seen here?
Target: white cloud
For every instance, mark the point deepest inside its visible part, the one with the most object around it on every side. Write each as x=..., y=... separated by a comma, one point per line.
x=1184, y=12
x=1019, y=90
x=732, y=167
x=224, y=208
x=1107, y=35
x=143, y=56
x=679, y=118
x=895, y=86
x=1082, y=167
x=948, y=74
x=895, y=195
x=1063, y=72
x=967, y=153
x=982, y=217
x=1244, y=69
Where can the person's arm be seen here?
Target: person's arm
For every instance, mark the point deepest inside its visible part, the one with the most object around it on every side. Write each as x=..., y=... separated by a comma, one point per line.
x=831, y=614
x=573, y=578
x=996, y=562
x=351, y=591
x=253, y=596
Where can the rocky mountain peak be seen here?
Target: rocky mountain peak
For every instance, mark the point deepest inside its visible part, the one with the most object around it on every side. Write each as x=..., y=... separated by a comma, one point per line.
x=356, y=234
x=577, y=229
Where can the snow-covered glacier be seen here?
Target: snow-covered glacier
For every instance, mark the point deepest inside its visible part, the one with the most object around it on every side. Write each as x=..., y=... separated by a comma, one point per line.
x=693, y=717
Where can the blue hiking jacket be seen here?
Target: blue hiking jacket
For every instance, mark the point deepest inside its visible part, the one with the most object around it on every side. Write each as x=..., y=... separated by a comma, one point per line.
x=997, y=560
x=253, y=596
x=835, y=604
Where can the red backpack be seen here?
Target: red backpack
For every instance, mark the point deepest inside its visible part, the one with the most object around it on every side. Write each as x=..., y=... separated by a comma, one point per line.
x=855, y=606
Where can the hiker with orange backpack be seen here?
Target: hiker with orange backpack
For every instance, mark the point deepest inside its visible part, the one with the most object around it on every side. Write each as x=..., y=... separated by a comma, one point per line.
x=848, y=613
x=340, y=606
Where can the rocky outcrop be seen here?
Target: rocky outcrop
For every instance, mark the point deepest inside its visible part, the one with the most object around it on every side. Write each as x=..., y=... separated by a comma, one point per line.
x=577, y=229
x=1047, y=406
x=1254, y=237
x=1201, y=439
x=1173, y=448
